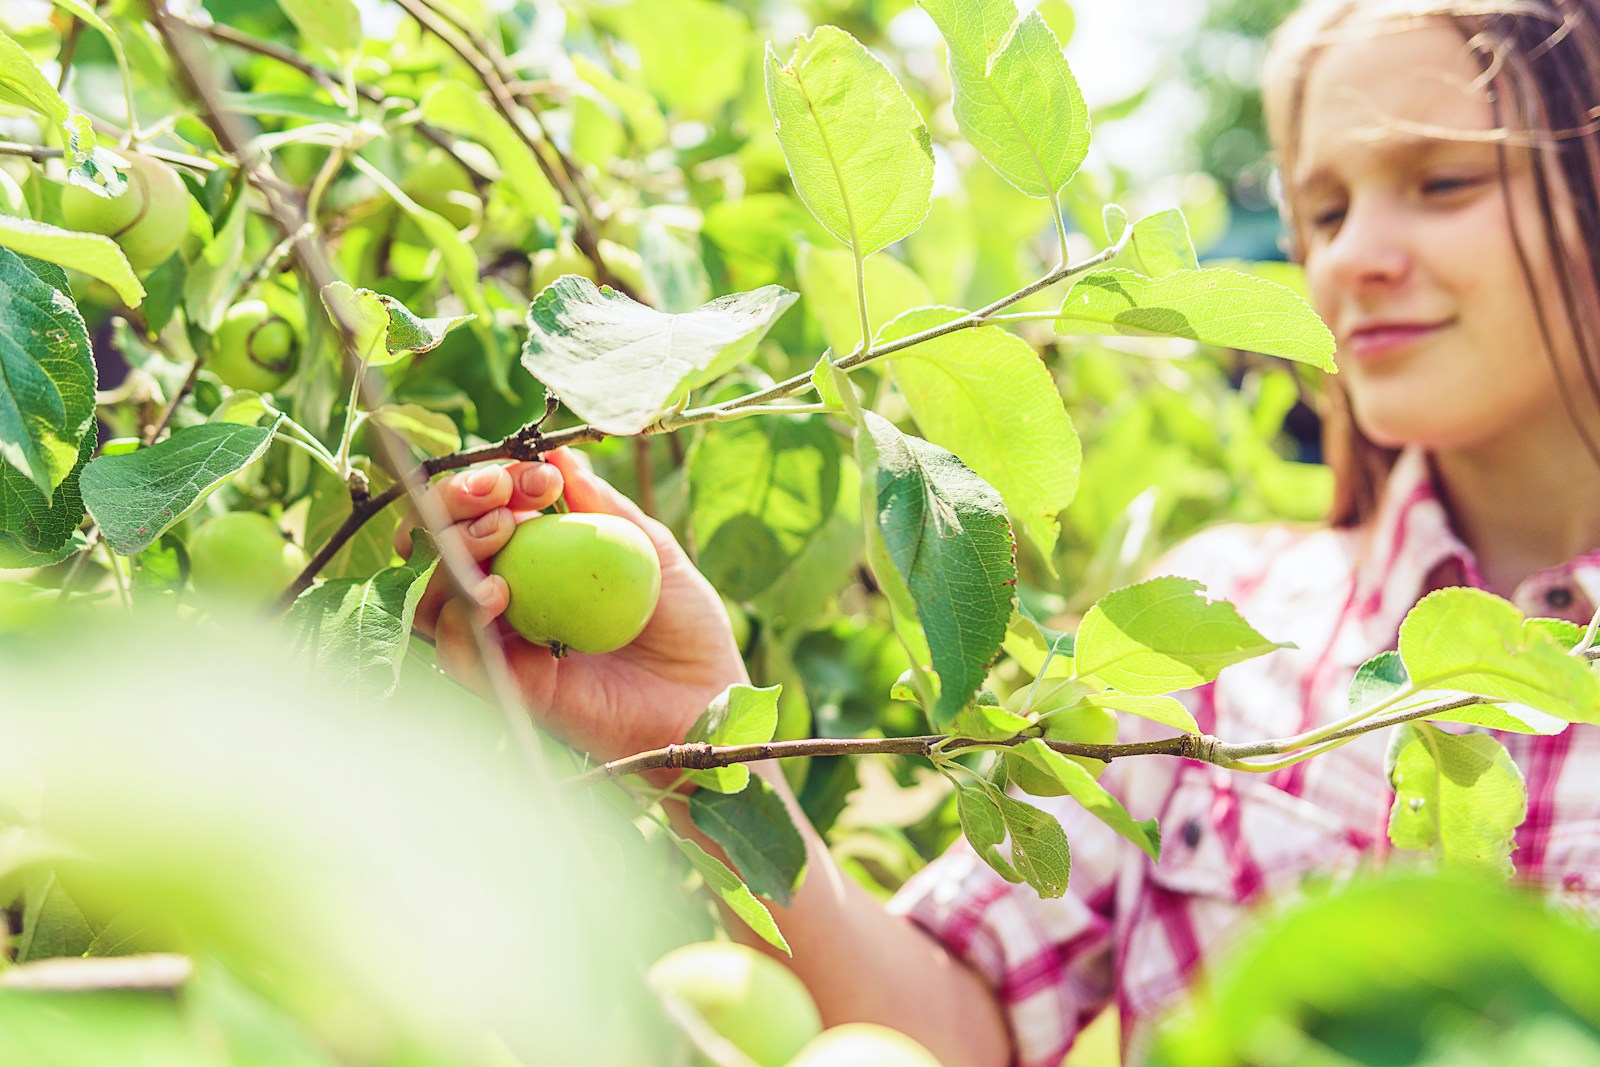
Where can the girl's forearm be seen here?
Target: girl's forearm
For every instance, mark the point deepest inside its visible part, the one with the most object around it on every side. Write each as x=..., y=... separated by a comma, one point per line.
x=862, y=964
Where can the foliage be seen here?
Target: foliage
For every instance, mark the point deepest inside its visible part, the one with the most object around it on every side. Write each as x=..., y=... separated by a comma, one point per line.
x=858, y=349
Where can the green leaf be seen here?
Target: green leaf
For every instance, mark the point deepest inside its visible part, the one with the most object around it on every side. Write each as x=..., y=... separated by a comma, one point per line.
x=460, y=265
x=1459, y=795
x=1038, y=845
x=93, y=254
x=22, y=83
x=827, y=279
x=372, y=548
x=47, y=374
x=860, y=155
x=1377, y=680
x=1038, y=649
x=285, y=105
x=984, y=828
x=618, y=364
x=947, y=534
x=1384, y=675
x=1472, y=641
x=1162, y=709
x=692, y=53
x=139, y=496
x=638, y=108
x=431, y=431
x=355, y=631
x=760, y=489
x=452, y=105
x=1162, y=635
x=988, y=722
x=985, y=395
x=1213, y=305
x=734, y=893
x=52, y=924
x=363, y=314
x=331, y=24
x=1016, y=100
x=755, y=829
x=1081, y=786
x=740, y=715
x=35, y=530
x=1160, y=245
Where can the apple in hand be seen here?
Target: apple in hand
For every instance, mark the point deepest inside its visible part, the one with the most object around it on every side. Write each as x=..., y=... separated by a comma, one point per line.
x=1057, y=709
x=149, y=219
x=863, y=1045
x=244, y=557
x=253, y=348
x=579, y=580
x=750, y=999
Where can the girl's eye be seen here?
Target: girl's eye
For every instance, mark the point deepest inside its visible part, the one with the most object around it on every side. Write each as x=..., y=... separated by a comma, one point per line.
x=1454, y=184
x=1327, y=218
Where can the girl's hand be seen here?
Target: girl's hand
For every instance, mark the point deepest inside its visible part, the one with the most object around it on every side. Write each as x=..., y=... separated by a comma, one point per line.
x=643, y=696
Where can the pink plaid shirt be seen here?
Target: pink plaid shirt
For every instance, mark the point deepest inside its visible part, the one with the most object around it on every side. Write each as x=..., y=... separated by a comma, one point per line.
x=1136, y=931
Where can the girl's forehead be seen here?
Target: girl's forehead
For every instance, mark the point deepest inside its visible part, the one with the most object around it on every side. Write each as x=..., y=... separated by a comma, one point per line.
x=1393, y=95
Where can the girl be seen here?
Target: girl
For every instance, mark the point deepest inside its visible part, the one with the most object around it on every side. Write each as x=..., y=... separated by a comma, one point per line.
x=1442, y=188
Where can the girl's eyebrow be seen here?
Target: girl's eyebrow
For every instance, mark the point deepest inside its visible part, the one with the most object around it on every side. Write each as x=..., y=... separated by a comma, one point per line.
x=1396, y=149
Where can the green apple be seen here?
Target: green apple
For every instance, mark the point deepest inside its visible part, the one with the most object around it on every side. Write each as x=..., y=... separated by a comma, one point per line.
x=1057, y=708
x=750, y=999
x=551, y=263
x=579, y=580
x=253, y=348
x=444, y=187
x=863, y=1045
x=149, y=219
x=242, y=556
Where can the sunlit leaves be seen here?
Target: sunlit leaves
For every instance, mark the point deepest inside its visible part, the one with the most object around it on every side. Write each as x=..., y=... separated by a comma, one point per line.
x=139, y=496
x=735, y=894
x=1472, y=641
x=1159, y=245
x=860, y=155
x=1459, y=795
x=984, y=395
x=94, y=254
x=36, y=530
x=1162, y=635
x=1015, y=98
x=1081, y=786
x=759, y=490
x=618, y=364
x=740, y=715
x=23, y=84
x=453, y=106
x=946, y=532
x=692, y=53
x=385, y=330
x=828, y=290
x=1214, y=305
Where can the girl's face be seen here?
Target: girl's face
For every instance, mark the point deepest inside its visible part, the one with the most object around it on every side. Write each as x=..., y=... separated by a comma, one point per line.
x=1408, y=244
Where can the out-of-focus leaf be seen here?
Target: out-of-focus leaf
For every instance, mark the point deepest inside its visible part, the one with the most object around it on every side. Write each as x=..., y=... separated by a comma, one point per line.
x=91, y=253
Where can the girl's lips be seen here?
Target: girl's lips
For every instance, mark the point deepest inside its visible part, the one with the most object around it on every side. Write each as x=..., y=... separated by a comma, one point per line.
x=1374, y=342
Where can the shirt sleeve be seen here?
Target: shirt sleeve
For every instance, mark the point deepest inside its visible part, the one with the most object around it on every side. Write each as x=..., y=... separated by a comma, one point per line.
x=1050, y=962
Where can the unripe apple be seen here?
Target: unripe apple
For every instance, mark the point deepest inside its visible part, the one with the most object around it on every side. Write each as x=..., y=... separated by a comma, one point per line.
x=1064, y=719
x=863, y=1045
x=242, y=556
x=444, y=187
x=580, y=580
x=149, y=219
x=253, y=348
x=750, y=999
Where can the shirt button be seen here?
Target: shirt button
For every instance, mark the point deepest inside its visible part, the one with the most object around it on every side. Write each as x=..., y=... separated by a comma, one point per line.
x=1559, y=597
x=1191, y=833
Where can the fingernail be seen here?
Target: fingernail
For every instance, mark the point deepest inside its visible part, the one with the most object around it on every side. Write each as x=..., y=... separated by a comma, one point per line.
x=481, y=483
x=536, y=479
x=484, y=525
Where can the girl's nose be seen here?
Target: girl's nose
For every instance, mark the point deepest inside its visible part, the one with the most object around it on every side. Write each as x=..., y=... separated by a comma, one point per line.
x=1369, y=248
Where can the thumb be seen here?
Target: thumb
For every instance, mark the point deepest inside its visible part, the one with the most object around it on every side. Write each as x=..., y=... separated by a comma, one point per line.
x=587, y=491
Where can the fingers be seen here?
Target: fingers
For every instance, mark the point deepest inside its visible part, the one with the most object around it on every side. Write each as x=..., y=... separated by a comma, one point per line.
x=585, y=491
x=479, y=538
x=522, y=487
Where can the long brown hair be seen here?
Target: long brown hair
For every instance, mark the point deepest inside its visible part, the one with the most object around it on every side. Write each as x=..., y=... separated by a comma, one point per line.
x=1541, y=65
